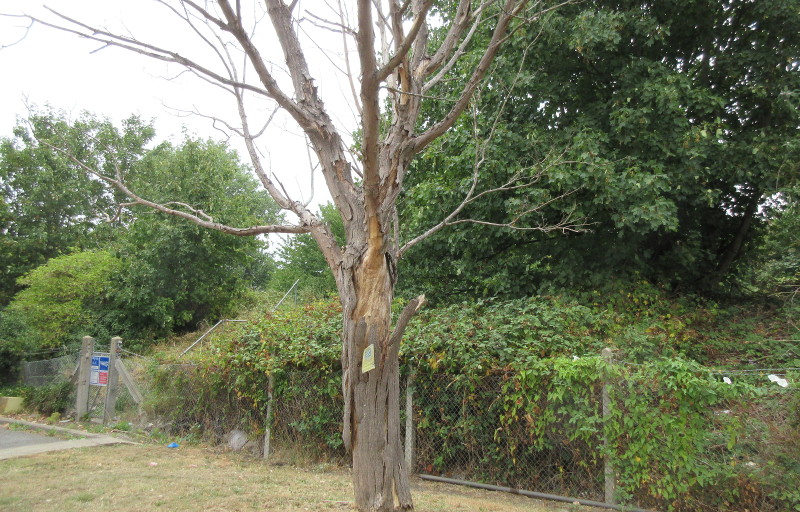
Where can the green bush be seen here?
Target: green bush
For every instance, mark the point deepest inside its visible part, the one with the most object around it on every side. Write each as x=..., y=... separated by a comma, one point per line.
x=49, y=399
x=62, y=302
x=509, y=392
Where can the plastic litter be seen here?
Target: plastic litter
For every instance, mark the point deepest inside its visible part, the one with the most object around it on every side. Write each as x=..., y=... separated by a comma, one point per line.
x=173, y=445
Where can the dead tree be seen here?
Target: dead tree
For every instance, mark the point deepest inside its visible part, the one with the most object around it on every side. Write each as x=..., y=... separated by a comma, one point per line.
x=398, y=63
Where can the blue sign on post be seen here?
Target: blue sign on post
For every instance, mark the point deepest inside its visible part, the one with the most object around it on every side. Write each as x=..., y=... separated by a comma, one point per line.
x=99, y=372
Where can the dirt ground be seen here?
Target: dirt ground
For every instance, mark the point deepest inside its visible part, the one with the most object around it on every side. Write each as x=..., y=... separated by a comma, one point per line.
x=145, y=477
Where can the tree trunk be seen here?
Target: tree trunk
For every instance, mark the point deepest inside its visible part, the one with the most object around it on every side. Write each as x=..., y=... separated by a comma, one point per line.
x=380, y=479
x=734, y=248
x=372, y=398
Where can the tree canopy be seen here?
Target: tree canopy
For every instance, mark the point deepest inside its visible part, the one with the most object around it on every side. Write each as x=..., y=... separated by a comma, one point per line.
x=175, y=273
x=50, y=206
x=79, y=262
x=679, y=123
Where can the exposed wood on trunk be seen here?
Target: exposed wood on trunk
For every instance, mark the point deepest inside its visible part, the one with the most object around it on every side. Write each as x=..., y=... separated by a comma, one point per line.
x=372, y=421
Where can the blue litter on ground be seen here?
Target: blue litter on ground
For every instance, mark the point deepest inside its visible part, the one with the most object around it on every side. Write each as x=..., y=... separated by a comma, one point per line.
x=173, y=445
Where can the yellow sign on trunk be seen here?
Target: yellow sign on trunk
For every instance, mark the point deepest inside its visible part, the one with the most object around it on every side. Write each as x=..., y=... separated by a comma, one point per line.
x=368, y=359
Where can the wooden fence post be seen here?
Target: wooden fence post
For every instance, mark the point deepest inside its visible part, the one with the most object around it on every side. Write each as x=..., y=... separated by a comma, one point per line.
x=608, y=470
x=268, y=419
x=113, y=381
x=84, y=369
x=410, y=433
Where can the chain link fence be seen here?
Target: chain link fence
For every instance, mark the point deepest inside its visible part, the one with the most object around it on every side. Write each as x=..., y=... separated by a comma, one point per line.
x=675, y=441
x=49, y=371
x=677, y=437
x=306, y=415
x=58, y=371
x=464, y=431
x=753, y=447
x=689, y=453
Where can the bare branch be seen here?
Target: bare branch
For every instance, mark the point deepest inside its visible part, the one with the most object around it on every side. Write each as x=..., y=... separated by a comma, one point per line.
x=454, y=58
x=519, y=181
x=185, y=17
x=282, y=199
x=195, y=211
x=462, y=19
x=281, y=20
x=215, y=121
x=324, y=51
x=311, y=167
x=420, y=96
x=565, y=225
x=197, y=216
x=404, y=45
x=336, y=27
x=205, y=14
x=509, y=12
x=148, y=50
x=349, y=71
x=24, y=35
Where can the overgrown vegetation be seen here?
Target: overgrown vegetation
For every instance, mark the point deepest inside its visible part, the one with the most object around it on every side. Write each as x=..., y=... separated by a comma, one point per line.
x=55, y=398
x=509, y=392
x=76, y=263
x=676, y=137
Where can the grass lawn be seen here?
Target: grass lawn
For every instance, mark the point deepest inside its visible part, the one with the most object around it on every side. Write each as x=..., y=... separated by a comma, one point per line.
x=140, y=478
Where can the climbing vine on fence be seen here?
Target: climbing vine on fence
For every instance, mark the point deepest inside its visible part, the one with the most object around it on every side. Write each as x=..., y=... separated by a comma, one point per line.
x=514, y=397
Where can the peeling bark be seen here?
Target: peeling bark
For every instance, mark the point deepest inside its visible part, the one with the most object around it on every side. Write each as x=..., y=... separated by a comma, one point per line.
x=372, y=399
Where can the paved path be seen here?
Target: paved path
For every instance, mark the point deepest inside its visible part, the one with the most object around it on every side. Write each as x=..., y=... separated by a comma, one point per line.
x=19, y=443
x=16, y=438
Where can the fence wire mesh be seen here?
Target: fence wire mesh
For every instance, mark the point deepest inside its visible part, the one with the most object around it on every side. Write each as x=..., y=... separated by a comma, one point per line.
x=306, y=412
x=718, y=453
x=138, y=367
x=49, y=371
x=464, y=431
x=682, y=438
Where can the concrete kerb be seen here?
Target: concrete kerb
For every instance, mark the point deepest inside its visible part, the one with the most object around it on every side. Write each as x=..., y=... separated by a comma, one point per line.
x=85, y=439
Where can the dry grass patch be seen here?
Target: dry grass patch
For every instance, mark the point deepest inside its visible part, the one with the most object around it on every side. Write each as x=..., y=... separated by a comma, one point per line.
x=124, y=478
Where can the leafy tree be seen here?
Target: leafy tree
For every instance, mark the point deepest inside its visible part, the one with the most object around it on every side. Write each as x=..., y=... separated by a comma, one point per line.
x=777, y=263
x=679, y=120
x=171, y=274
x=50, y=206
x=174, y=273
x=63, y=300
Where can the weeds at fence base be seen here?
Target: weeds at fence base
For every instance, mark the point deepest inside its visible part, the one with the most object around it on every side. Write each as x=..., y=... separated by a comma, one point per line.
x=300, y=456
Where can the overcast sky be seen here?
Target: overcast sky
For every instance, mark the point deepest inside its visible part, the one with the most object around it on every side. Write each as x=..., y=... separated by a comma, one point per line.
x=43, y=66
x=49, y=67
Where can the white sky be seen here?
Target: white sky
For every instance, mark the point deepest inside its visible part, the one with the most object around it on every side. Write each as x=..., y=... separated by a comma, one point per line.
x=66, y=72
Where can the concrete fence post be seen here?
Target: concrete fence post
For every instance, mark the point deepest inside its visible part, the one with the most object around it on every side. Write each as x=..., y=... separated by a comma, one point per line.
x=84, y=371
x=113, y=381
x=609, y=475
